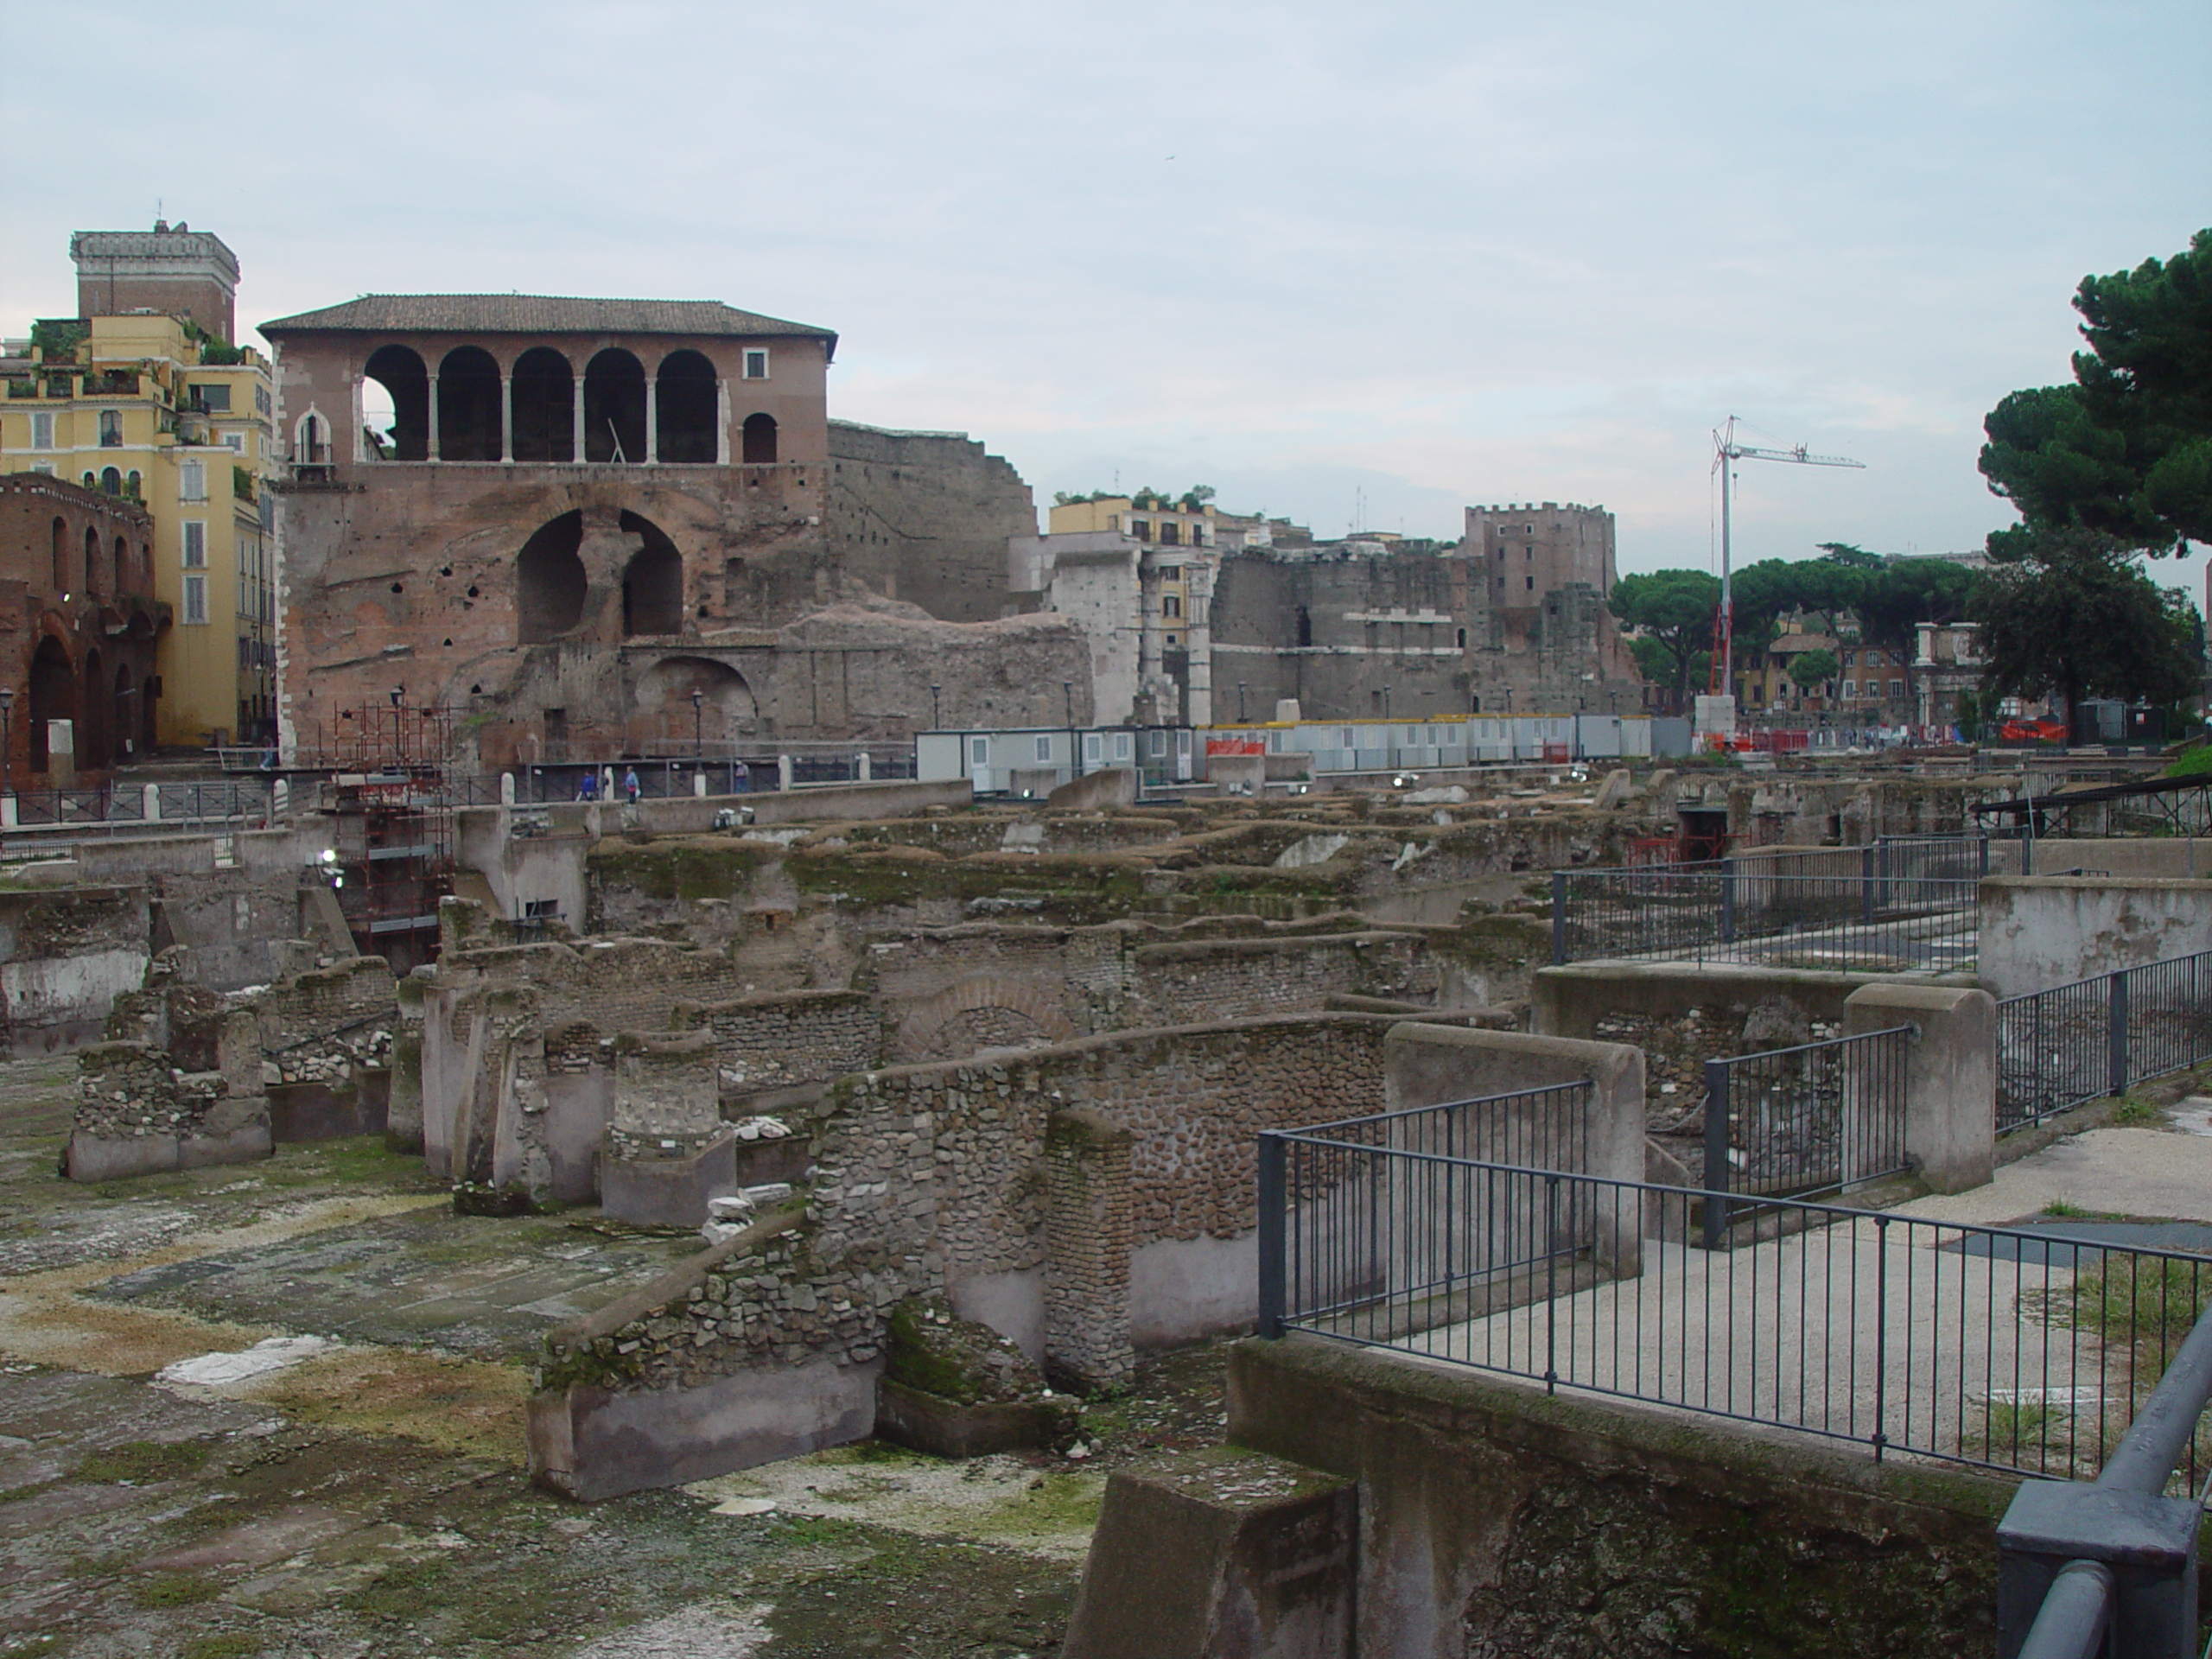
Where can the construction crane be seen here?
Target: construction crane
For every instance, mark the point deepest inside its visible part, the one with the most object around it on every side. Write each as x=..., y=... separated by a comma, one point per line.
x=1726, y=449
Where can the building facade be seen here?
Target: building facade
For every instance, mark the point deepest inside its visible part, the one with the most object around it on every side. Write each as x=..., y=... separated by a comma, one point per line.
x=80, y=630
x=146, y=408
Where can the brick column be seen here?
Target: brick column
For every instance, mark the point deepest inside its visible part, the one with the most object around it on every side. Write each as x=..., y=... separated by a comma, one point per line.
x=1087, y=1230
x=506, y=417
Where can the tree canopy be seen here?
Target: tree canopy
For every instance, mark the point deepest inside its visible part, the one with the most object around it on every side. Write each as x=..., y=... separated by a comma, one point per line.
x=2125, y=451
x=1675, y=610
x=2072, y=615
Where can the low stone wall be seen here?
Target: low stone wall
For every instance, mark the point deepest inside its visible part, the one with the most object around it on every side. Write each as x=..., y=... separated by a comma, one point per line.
x=136, y=1115
x=1498, y=1520
x=65, y=954
x=1573, y=1000
x=2038, y=931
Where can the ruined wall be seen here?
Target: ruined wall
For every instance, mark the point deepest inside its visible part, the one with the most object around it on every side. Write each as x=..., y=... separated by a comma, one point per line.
x=65, y=955
x=782, y=1039
x=925, y=517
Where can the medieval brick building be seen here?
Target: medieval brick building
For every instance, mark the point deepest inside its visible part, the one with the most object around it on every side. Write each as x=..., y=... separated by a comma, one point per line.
x=586, y=527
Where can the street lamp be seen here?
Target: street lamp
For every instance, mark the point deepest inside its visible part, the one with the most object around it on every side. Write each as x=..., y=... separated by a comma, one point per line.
x=936, y=720
x=1386, y=703
x=1240, y=702
x=698, y=715
x=398, y=694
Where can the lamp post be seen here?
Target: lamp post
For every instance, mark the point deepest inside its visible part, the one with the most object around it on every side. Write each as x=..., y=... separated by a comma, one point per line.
x=1386, y=703
x=936, y=720
x=1067, y=707
x=698, y=728
x=1240, y=702
x=398, y=694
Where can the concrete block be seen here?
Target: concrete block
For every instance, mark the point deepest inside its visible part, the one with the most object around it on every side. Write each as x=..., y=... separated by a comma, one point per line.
x=668, y=1191
x=1223, y=1554
x=589, y=1444
x=320, y=1111
x=948, y=1428
x=1093, y=792
x=92, y=1159
x=1950, y=1076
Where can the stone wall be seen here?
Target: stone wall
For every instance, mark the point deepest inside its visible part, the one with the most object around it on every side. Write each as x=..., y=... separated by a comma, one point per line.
x=137, y=1114
x=1495, y=1520
x=925, y=517
x=2038, y=931
x=65, y=955
x=783, y=1039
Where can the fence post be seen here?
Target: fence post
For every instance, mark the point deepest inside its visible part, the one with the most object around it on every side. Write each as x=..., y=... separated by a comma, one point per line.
x=1273, y=1208
x=1985, y=855
x=1728, y=901
x=1559, y=918
x=2116, y=1033
x=1867, y=885
x=1881, y=1332
x=1716, y=1153
x=1551, y=1283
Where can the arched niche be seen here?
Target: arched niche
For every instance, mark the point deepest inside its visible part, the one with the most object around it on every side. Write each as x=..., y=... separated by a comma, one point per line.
x=652, y=582
x=615, y=407
x=667, y=718
x=549, y=582
x=468, y=405
x=542, y=393
x=687, y=400
x=92, y=746
x=406, y=385
x=53, y=694
x=759, y=438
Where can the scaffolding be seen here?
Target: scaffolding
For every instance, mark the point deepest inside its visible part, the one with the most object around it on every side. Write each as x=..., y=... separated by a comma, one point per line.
x=392, y=807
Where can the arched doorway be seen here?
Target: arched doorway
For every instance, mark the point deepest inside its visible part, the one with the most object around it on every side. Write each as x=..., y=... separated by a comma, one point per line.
x=652, y=582
x=615, y=407
x=544, y=397
x=406, y=402
x=119, y=722
x=549, y=582
x=468, y=406
x=93, y=745
x=53, y=696
x=686, y=401
x=759, y=438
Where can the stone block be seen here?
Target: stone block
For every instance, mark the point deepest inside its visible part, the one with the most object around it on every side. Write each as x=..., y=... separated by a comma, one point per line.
x=1223, y=1554
x=950, y=1429
x=668, y=1191
x=1950, y=1076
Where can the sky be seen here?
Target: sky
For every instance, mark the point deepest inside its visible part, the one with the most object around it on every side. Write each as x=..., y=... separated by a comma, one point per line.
x=1359, y=266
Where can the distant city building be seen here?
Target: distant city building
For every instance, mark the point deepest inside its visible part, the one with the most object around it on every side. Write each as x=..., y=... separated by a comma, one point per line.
x=155, y=407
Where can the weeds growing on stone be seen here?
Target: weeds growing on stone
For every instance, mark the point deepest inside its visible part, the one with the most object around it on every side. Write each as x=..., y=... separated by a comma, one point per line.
x=141, y=1461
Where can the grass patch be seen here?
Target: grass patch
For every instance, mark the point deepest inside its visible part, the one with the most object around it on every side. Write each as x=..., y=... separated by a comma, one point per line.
x=2146, y=1302
x=2008, y=1426
x=174, y=1590
x=2064, y=1211
x=140, y=1462
x=2132, y=1114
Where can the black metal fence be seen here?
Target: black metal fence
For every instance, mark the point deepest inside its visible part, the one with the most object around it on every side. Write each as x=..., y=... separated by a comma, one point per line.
x=1743, y=910
x=1794, y=1121
x=247, y=798
x=2056, y=1048
x=2012, y=1349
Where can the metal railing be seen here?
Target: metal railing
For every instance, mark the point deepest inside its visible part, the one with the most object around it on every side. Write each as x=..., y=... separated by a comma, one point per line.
x=1741, y=911
x=2056, y=1048
x=2111, y=1567
x=2009, y=1348
x=1817, y=1117
x=179, y=803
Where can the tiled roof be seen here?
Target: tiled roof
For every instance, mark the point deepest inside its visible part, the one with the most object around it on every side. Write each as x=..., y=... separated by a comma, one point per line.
x=534, y=314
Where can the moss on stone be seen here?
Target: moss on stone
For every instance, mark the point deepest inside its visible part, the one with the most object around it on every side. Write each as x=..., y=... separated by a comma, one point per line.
x=931, y=1349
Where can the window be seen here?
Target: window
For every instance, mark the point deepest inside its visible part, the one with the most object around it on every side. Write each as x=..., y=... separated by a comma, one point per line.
x=1896, y=688
x=235, y=443
x=1171, y=533
x=1175, y=639
x=195, y=544
x=1044, y=748
x=1170, y=605
x=45, y=469
x=261, y=406
x=215, y=399
x=192, y=480
x=1159, y=742
x=111, y=429
x=195, y=601
x=756, y=363
x=1851, y=660
x=1528, y=553
x=1121, y=746
x=1170, y=573
x=979, y=751
x=1851, y=688
x=1532, y=584
x=42, y=429
x=1141, y=528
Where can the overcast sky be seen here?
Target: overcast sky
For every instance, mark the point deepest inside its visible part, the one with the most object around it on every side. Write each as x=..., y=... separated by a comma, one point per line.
x=1342, y=263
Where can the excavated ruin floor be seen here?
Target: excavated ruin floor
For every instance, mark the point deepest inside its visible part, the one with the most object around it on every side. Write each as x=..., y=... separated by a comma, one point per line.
x=366, y=1496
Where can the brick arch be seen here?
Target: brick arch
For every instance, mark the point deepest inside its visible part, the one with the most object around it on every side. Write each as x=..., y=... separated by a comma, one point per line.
x=1025, y=1010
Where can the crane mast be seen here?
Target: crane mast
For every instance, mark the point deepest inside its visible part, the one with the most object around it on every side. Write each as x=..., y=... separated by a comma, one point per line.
x=1727, y=450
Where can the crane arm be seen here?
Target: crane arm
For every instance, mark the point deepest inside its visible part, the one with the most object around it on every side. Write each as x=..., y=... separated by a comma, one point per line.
x=1732, y=451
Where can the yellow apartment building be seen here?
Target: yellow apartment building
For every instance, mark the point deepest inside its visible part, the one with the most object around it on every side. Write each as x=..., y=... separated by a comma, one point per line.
x=150, y=407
